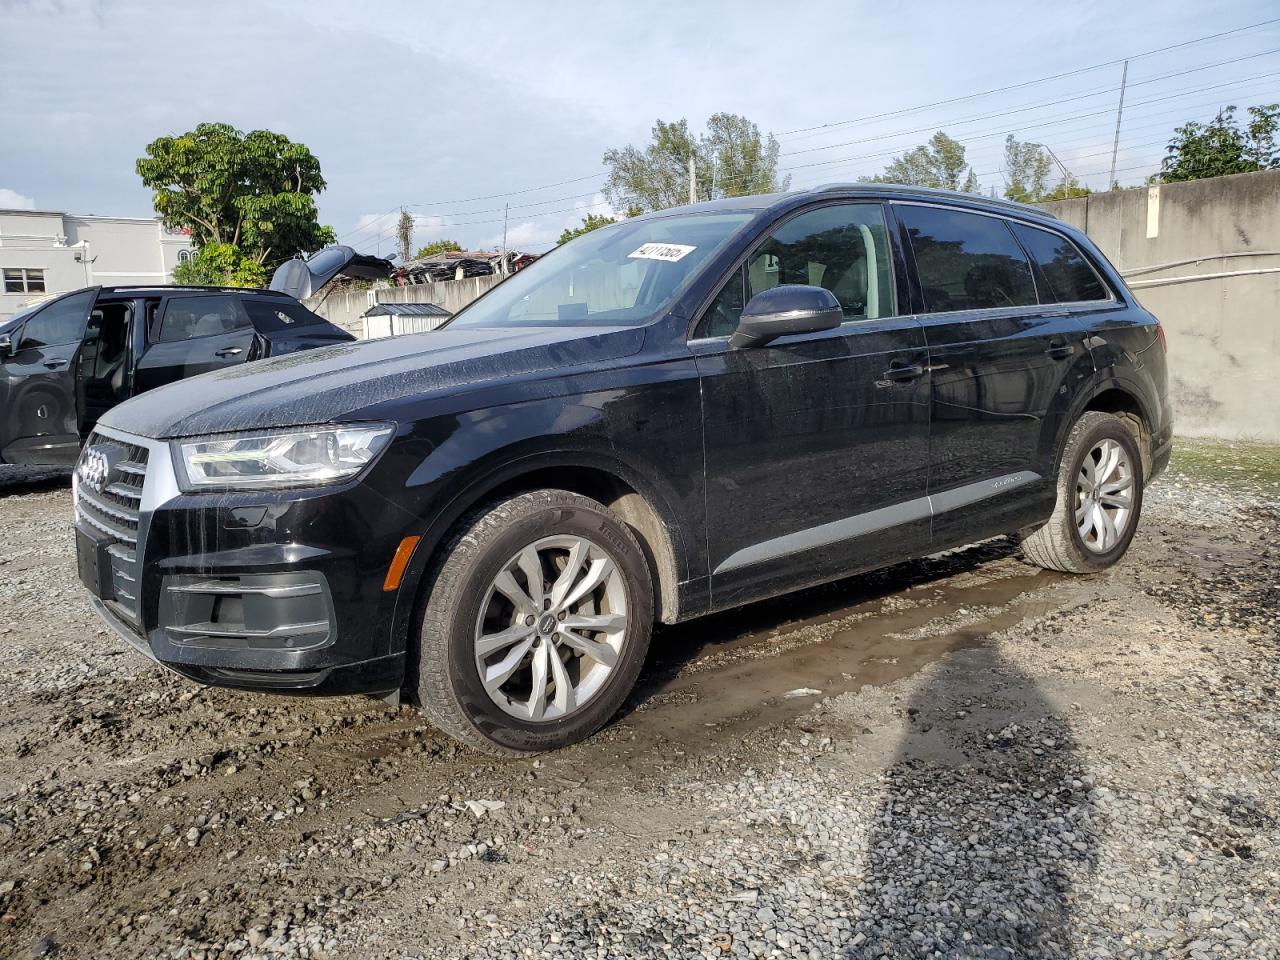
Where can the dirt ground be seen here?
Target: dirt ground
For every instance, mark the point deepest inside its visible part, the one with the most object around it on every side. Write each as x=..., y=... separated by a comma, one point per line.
x=962, y=756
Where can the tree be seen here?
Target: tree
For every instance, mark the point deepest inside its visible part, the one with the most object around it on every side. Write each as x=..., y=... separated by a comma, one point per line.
x=939, y=163
x=251, y=192
x=404, y=234
x=742, y=162
x=437, y=246
x=1027, y=170
x=1200, y=150
x=731, y=159
x=221, y=265
x=592, y=221
x=1066, y=190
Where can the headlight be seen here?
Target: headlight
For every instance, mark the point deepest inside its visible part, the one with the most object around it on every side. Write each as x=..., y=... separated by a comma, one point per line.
x=286, y=458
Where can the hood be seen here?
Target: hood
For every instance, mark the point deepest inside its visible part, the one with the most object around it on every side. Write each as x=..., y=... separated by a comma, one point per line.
x=339, y=382
x=302, y=278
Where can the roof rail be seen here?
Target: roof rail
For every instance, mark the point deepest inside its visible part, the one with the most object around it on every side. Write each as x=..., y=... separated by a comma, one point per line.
x=933, y=192
x=196, y=286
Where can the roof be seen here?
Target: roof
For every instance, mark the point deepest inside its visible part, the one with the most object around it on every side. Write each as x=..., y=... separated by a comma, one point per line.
x=406, y=310
x=765, y=201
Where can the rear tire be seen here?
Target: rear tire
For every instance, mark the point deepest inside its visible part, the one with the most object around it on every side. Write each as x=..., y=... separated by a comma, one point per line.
x=512, y=666
x=1099, y=502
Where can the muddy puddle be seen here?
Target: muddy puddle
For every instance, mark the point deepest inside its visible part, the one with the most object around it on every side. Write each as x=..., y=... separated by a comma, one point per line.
x=717, y=678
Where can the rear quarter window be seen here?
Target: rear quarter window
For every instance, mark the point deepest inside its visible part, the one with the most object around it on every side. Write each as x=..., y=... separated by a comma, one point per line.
x=1063, y=268
x=274, y=316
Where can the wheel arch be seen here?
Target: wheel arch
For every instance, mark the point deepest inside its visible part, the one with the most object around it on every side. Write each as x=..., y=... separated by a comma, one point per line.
x=637, y=503
x=1108, y=393
x=1114, y=397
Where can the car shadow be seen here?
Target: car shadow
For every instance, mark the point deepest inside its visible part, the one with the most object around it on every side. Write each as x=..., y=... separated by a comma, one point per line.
x=18, y=481
x=984, y=828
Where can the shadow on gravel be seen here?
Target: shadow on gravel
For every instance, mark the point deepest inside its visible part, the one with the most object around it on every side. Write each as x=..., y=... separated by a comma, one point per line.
x=985, y=829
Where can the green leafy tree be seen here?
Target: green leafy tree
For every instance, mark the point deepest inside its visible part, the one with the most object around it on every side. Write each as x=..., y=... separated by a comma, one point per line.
x=254, y=192
x=1222, y=147
x=1065, y=191
x=438, y=246
x=1027, y=170
x=221, y=265
x=742, y=162
x=592, y=221
x=731, y=158
x=939, y=163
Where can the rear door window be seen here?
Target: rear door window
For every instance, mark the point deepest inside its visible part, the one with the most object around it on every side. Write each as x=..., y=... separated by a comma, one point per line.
x=1063, y=269
x=966, y=261
x=186, y=318
x=273, y=316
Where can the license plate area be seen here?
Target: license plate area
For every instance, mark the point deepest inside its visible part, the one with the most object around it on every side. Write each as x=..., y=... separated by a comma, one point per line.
x=94, y=564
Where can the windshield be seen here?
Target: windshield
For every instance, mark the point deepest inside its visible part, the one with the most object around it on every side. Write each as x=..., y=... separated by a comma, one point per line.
x=622, y=274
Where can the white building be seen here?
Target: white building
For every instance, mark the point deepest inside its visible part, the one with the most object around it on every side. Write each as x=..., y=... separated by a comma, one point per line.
x=44, y=253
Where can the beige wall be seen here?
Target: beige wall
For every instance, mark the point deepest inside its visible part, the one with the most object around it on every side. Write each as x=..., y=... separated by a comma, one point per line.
x=1172, y=244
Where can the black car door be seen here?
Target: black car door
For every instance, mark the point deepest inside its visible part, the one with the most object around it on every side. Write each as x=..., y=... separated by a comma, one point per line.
x=39, y=422
x=195, y=334
x=816, y=445
x=1003, y=371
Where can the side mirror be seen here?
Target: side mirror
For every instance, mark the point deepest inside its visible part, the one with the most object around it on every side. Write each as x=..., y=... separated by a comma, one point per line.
x=790, y=308
x=6, y=345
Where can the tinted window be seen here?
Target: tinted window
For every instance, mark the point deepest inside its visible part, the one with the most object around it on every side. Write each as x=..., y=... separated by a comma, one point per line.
x=1066, y=273
x=188, y=317
x=966, y=261
x=60, y=322
x=274, y=316
x=843, y=248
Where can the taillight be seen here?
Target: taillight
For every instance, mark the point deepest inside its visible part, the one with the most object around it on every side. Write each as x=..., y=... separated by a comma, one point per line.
x=1164, y=342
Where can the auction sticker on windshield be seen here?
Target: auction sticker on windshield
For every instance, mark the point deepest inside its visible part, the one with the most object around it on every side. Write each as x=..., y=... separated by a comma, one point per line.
x=671, y=252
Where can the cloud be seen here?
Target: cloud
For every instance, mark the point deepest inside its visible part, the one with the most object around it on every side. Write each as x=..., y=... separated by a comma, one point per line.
x=13, y=200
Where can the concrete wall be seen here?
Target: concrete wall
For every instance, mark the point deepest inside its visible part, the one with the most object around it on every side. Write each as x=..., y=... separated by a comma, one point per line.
x=1204, y=257
x=345, y=307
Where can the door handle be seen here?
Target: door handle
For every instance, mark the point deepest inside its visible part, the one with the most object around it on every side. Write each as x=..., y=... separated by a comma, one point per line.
x=56, y=364
x=1060, y=351
x=911, y=371
x=228, y=352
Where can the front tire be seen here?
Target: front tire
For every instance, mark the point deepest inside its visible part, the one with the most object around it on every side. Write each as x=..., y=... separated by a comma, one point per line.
x=536, y=624
x=1099, y=498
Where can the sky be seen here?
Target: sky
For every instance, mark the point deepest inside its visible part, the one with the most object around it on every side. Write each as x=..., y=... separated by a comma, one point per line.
x=453, y=111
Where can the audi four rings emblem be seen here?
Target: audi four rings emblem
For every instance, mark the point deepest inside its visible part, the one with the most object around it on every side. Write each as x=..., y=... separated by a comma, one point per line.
x=93, y=469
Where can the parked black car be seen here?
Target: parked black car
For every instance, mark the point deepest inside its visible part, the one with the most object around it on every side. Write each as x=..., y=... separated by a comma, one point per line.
x=676, y=414
x=68, y=360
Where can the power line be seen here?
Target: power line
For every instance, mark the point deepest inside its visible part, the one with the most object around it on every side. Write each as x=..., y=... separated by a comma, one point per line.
x=835, y=124
x=1031, y=83
x=1004, y=113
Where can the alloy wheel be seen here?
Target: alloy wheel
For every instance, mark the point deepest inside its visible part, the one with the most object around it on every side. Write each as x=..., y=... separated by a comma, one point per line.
x=1104, y=496
x=551, y=628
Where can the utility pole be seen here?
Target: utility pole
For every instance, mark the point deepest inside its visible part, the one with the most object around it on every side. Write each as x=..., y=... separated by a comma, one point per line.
x=693, y=179
x=506, y=209
x=1115, y=144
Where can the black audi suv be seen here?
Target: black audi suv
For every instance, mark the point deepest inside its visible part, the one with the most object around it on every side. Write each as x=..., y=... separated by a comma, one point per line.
x=683, y=412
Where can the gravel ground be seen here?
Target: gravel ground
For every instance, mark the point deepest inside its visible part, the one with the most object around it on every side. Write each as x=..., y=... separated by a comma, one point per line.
x=959, y=757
